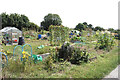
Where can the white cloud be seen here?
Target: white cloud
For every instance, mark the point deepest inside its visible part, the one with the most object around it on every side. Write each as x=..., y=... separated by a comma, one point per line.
x=102, y=13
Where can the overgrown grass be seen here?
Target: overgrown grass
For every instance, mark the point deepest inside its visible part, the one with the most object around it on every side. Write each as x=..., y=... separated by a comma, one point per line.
x=34, y=45
x=98, y=68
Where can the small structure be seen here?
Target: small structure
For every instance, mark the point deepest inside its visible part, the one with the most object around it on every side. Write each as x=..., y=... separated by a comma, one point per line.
x=75, y=32
x=10, y=35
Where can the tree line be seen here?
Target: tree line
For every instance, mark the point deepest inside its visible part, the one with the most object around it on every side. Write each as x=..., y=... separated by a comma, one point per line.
x=22, y=22
x=85, y=25
x=19, y=21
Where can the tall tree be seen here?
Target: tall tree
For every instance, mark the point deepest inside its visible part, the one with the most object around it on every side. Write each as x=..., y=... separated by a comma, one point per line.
x=90, y=26
x=17, y=20
x=111, y=30
x=80, y=27
x=98, y=28
x=51, y=19
x=33, y=26
x=4, y=19
x=85, y=23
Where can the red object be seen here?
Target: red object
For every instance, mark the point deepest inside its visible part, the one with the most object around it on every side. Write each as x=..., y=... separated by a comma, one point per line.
x=15, y=40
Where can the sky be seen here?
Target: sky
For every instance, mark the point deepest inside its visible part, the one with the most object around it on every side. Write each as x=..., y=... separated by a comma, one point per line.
x=103, y=13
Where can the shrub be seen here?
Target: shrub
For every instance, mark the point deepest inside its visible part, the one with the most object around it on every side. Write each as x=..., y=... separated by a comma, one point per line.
x=49, y=63
x=79, y=56
x=105, y=41
x=81, y=39
x=66, y=51
x=52, y=64
x=70, y=53
x=51, y=59
x=27, y=36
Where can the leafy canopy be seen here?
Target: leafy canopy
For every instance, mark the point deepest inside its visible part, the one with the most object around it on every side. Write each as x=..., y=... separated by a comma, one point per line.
x=18, y=21
x=51, y=19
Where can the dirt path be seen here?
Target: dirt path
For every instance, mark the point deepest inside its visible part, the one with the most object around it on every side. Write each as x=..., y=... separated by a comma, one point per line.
x=114, y=74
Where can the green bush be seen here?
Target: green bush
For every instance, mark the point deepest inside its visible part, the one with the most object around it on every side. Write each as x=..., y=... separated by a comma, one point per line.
x=27, y=36
x=75, y=38
x=52, y=59
x=66, y=51
x=79, y=56
x=105, y=41
x=49, y=63
x=70, y=53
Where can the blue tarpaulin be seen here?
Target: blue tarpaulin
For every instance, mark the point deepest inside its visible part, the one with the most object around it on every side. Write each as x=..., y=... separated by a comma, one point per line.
x=39, y=36
x=71, y=34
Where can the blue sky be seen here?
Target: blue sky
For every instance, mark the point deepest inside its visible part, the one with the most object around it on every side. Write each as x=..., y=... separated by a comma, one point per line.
x=102, y=13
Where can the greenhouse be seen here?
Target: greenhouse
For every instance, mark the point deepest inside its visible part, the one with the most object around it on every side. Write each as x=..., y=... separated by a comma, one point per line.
x=10, y=35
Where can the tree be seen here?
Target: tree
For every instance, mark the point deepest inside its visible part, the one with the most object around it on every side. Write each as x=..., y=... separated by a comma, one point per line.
x=111, y=30
x=90, y=26
x=80, y=27
x=14, y=20
x=51, y=19
x=85, y=23
x=24, y=21
x=4, y=19
x=98, y=28
x=18, y=21
x=33, y=26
